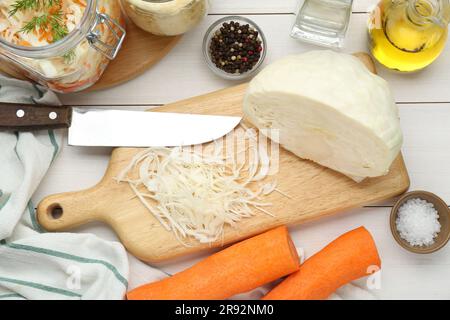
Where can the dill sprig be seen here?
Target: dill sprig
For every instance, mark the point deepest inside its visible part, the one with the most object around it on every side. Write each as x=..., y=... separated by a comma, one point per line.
x=59, y=30
x=52, y=20
x=23, y=5
x=46, y=20
x=39, y=22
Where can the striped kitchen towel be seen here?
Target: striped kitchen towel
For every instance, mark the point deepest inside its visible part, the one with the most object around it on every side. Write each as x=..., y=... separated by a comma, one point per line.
x=37, y=265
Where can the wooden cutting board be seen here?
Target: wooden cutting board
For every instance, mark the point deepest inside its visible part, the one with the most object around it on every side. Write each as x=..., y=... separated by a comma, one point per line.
x=314, y=190
x=140, y=51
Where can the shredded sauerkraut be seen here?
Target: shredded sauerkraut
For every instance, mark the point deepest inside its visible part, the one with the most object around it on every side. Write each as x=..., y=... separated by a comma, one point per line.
x=11, y=25
x=196, y=194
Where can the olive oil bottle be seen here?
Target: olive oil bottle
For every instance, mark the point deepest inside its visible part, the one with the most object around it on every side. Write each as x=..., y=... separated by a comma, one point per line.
x=408, y=35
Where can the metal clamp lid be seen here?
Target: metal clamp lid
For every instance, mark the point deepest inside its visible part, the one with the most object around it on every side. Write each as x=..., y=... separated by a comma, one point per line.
x=94, y=36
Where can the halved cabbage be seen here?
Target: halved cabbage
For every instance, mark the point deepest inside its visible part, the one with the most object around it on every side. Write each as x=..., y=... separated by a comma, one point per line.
x=330, y=109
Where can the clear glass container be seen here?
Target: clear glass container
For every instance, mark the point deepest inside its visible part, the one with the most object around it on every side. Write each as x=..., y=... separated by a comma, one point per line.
x=408, y=35
x=78, y=60
x=207, y=43
x=323, y=22
x=166, y=17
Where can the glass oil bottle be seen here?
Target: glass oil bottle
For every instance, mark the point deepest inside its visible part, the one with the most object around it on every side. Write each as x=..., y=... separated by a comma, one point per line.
x=408, y=35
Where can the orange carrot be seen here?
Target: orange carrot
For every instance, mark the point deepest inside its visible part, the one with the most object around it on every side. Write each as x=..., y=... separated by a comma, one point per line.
x=81, y=3
x=237, y=269
x=24, y=43
x=345, y=259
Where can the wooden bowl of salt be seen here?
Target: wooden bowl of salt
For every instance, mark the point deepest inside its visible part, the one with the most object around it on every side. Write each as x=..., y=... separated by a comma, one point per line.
x=414, y=224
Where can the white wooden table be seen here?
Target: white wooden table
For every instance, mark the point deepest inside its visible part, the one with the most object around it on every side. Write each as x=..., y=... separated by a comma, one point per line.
x=423, y=99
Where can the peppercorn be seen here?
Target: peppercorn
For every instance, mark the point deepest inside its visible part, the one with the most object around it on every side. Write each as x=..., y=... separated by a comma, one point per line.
x=235, y=48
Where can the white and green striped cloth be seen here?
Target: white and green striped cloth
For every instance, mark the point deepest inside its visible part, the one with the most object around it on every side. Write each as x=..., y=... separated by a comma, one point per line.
x=37, y=265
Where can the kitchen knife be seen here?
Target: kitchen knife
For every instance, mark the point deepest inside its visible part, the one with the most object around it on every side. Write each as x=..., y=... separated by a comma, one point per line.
x=118, y=128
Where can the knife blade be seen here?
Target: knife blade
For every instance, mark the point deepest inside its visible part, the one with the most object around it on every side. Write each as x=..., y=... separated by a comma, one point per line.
x=142, y=129
x=118, y=128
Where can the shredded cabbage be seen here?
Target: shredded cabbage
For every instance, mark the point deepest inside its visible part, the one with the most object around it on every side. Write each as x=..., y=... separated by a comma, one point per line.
x=11, y=25
x=196, y=194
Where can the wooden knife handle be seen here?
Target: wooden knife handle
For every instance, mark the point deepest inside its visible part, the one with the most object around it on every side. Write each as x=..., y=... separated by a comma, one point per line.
x=28, y=117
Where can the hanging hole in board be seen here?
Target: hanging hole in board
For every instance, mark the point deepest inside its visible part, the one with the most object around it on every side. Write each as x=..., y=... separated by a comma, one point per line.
x=55, y=212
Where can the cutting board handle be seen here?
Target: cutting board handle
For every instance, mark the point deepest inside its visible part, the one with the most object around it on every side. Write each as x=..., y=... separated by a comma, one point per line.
x=65, y=211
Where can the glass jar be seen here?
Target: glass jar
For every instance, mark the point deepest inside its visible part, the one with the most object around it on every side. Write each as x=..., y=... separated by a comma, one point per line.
x=78, y=60
x=323, y=22
x=166, y=17
x=207, y=54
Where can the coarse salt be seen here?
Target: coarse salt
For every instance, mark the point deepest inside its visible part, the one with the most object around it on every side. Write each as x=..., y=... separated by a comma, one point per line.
x=418, y=222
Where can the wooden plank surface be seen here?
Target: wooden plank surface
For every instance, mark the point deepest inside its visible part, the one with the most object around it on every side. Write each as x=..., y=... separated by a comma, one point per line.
x=426, y=147
x=271, y=7
x=426, y=155
x=184, y=66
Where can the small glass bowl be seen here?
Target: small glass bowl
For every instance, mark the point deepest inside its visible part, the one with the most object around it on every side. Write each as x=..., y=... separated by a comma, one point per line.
x=207, y=42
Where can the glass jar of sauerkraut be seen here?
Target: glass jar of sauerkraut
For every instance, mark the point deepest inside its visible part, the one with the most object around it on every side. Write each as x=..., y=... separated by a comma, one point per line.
x=166, y=17
x=62, y=44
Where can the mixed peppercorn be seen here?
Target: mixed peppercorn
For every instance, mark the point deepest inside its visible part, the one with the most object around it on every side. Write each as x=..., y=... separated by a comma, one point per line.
x=235, y=48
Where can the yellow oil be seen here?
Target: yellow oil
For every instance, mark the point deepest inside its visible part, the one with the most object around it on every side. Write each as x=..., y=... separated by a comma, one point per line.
x=406, y=40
